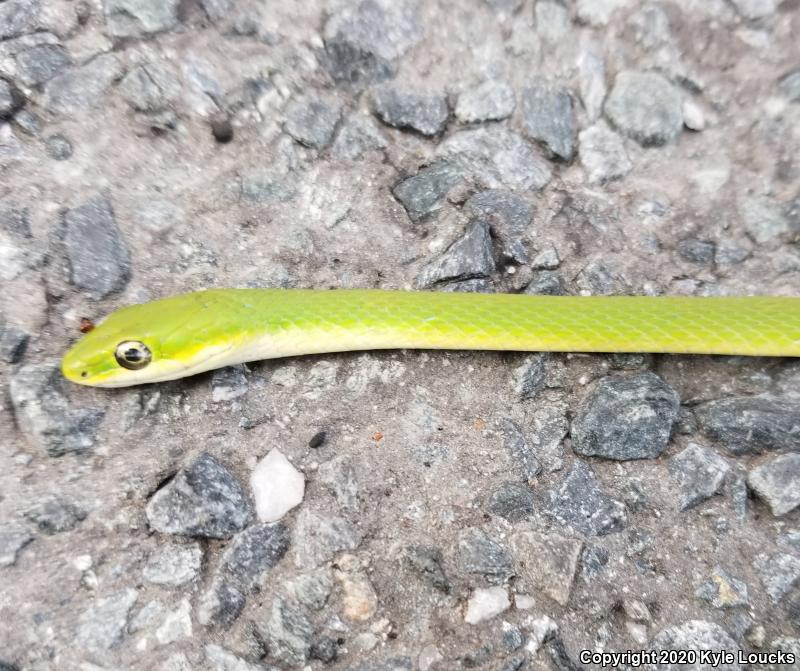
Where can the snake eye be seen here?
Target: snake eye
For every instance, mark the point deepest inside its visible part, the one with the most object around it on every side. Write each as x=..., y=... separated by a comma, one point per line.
x=133, y=355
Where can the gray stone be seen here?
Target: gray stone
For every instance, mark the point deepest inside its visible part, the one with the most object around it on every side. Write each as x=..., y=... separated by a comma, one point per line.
x=324, y=648
x=221, y=659
x=512, y=501
x=312, y=120
x=645, y=106
x=694, y=635
x=755, y=9
x=203, y=499
x=386, y=664
x=217, y=9
x=176, y=625
x=468, y=257
x=81, y=88
x=265, y=185
x=252, y=553
x=579, y=504
x=699, y=473
x=752, y=424
x=27, y=122
x=102, y=626
x=56, y=515
x=220, y=605
x=548, y=118
x=428, y=562
x=552, y=19
x=357, y=135
x=546, y=283
x=324, y=536
x=594, y=561
x=546, y=259
x=779, y=573
x=477, y=553
x=763, y=220
x=340, y=477
x=489, y=101
x=363, y=40
x=627, y=417
x=99, y=260
x=158, y=215
x=785, y=644
x=13, y=342
x=603, y=154
x=408, y=108
x=722, y=590
x=546, y=563
x=423, y=194
x=312, y=589
x=697, y=251
x=44, y=415
x=135, y=18
x=789, y=85
x=10, y=99
x=151, y=87
x=531, y=376
x=496, y=158
x=58, y=147
x=288, y=633
x=228, y=384
x=39, y=63
x=13, y=537
x=173, y=565
x=729, y=253
x=509, y=217
x=520, y=450
x=777, y=482
x=18, y=17
x=14, y=220
x=598, y=279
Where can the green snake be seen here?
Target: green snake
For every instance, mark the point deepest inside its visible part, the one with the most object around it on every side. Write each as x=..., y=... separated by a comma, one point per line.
x=195, y=332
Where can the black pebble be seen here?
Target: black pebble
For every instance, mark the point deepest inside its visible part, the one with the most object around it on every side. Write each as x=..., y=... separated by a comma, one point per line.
x=222, y=130
x=317, y=440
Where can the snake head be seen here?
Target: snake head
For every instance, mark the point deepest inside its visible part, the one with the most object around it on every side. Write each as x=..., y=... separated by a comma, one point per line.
x=152, y=342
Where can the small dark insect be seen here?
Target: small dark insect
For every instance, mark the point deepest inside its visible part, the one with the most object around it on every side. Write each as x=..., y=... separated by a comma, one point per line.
x=86, y=325
x=317, y=439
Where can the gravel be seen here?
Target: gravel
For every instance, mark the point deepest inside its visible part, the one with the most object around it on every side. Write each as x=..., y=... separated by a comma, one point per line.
x=13, y=537
x=694, y=635
x=44, y=414
x=468, y=257
x=553, y=570
x=312, y=121
x=252, y=553
x=751, y=424
x=424, y=194
x=722, y=590
x=646, y=107
x=779, y=573
x=625, y=418
x=174, y=565
x=511, y=500
x=509, y=216
x=135, y=18
x=97, y=255
x=428, y=562
x=410, y=109
x=548, y=117
x=777, y=482
x=699, y=473
x=580, y=504
x=56, y=516
x=82, y=88
x=203, y=499
x=496, y=158
x=478, y=553
x=603, y=154
x=358, y=135
x=102, y=626
x=489, y=101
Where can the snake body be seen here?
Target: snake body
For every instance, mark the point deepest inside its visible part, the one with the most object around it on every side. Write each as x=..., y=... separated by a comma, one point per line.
x=195, y=332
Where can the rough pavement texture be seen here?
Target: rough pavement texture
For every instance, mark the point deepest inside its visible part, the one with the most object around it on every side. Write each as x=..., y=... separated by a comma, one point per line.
x=149, y=147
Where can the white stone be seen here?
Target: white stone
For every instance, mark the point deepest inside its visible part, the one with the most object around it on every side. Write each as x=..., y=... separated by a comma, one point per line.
x=277, y=486
x=524, y=601
x=486, y=603
x=428, y=657
x=693, y=117
x=176, y=625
